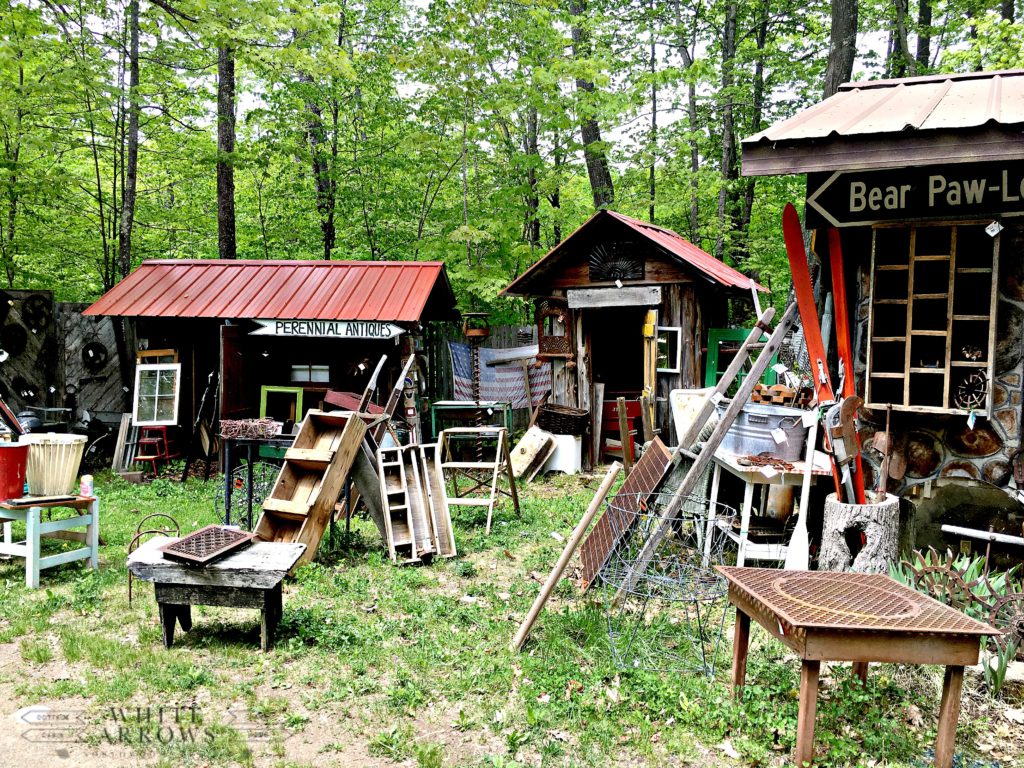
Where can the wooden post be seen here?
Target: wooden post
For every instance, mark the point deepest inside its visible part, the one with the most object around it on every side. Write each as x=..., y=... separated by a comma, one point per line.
x=740, y=643
x=949, y=713
x=646, y=418
x=625, y=436
x=567, y=553
x=808, y=710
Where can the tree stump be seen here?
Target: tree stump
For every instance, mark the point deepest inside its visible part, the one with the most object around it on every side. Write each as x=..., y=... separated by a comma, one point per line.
x=864, y=538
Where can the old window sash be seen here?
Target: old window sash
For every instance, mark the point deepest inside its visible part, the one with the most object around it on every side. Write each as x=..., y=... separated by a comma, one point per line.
x=669, y=348
x=932, y=318
x=157, y=389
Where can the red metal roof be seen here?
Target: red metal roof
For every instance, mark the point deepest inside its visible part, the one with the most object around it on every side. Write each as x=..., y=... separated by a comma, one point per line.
x=673, y=244
x=933, y=110
x=387, y=291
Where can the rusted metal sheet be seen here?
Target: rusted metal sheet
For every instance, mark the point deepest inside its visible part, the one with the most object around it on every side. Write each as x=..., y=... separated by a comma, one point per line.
x=623, y=510
x=858, y=126
x=294, y=290
x=676, y=247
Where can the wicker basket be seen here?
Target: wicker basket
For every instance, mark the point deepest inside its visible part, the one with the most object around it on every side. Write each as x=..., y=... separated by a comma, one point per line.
x=563, y=420
x=53, y=461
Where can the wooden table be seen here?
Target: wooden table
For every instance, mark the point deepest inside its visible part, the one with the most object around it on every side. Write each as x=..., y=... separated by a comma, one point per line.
x=87, y=509
x=249, y=578
x=858, y=617
x=751, y=477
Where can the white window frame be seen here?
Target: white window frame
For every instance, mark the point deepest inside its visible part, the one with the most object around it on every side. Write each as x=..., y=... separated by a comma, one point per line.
x=678, y=331
x=156, y=368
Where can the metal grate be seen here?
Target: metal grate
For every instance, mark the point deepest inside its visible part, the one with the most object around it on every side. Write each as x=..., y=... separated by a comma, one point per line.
x=863, y=601
x=207, y=544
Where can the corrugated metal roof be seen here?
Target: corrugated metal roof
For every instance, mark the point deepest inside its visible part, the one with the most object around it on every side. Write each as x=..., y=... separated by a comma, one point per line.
x=910, y=110
x=391, y=291
x=673, y=244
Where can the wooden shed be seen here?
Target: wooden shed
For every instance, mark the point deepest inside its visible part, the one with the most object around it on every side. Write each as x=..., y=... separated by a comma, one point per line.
x=923, y=179
x=623, y=308
x=269, y=338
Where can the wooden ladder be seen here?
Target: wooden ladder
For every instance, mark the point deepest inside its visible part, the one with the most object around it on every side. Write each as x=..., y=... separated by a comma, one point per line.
x=482, y=474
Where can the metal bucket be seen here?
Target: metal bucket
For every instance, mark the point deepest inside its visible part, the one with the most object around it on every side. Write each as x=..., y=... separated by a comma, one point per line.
x=53, y=461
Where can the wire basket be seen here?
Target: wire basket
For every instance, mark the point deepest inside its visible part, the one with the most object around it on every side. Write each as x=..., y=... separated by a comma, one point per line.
x=664, y=602
x=563, y=420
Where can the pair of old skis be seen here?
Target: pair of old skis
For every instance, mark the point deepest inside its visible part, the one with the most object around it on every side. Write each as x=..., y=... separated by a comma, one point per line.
x=841, y=436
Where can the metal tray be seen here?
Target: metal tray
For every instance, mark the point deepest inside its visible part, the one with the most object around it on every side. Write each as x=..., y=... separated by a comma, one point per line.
x=206, y=545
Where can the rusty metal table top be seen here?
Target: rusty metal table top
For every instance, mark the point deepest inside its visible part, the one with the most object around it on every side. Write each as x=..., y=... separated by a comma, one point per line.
x=848, y=601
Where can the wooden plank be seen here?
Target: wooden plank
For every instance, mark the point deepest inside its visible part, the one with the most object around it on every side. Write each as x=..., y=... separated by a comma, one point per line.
x=200, y=594
x=528, y=450
x=260, y=565
x=625, y=437
x=627, y=296
x=419, y=508
x=297, y=509
x=122, y=437
x=309, y=455
x=437, y=499
x=563, y=560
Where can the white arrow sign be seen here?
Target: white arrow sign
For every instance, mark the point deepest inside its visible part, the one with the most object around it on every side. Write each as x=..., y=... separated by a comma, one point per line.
x=328, y=329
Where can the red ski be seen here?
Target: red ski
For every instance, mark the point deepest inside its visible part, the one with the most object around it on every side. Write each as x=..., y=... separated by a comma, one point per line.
x=794, y=237
x=835, y=254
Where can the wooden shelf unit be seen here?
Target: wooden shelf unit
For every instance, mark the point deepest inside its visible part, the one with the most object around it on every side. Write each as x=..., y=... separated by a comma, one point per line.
x=932, y=317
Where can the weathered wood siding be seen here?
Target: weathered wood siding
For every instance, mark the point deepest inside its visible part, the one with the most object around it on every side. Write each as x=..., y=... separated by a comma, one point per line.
x=98, y=385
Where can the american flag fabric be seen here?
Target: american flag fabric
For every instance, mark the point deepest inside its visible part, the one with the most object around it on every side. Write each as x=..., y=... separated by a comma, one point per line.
x=500, y=383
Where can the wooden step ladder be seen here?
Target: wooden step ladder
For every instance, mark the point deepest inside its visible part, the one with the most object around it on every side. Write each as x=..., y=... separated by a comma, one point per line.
x=483, y=474
x=315, y=468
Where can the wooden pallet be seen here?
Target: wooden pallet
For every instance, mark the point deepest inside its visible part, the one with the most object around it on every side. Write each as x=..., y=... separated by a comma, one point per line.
x=299, y=507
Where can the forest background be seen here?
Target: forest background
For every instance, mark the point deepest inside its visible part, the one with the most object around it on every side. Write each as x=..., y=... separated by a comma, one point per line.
x=477, y=132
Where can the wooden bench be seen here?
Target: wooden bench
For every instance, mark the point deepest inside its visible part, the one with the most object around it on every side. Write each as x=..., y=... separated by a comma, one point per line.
x=249, y=578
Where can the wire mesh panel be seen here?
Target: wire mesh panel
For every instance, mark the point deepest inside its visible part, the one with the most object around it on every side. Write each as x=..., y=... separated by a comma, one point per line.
x=666, y=610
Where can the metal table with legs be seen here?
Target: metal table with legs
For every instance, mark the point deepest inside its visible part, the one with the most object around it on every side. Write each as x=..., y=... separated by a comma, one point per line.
x=858, y=617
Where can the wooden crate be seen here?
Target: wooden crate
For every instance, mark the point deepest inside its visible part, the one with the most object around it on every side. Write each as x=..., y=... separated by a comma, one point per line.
x=315, y=468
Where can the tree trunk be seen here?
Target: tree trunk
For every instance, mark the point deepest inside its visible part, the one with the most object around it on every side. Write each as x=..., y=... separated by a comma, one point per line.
x=846, y=526
x=757, y=110
x=555, y=198
x=924, y=35
x=128, y=189
x=842, y=46
x=687, y=49
x=532, y=150
x=728, y=158
x=316, y=138
x=1008, y=10
x=225, y=150
x=590, y=130
x=653, y=139
x=903, y=63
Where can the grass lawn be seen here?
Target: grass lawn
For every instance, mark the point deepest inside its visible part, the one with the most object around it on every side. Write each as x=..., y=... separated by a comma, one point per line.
x=378, y=665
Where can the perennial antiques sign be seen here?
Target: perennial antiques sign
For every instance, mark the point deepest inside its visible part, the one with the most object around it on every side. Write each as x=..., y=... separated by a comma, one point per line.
x=969, y=190
x=328, y=329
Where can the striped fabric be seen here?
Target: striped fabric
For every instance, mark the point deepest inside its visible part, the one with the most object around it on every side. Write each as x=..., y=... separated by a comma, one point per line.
x=500, y=383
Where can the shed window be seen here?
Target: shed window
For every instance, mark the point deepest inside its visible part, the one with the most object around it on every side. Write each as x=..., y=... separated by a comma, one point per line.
x=669, y=349
x=932, y=322
x=156, y=394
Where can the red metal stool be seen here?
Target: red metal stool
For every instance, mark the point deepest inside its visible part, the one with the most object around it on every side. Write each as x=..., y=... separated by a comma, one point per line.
x=158, y=438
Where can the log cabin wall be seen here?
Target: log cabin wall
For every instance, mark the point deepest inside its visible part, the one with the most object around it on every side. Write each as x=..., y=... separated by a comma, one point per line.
x=939, y=446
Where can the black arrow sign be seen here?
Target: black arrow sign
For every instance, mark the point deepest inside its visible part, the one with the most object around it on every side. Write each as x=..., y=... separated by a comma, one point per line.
x=970, y=190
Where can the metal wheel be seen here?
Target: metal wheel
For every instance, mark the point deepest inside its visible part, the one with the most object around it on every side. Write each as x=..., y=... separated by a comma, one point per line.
x=264, y=475
x=1008, y=615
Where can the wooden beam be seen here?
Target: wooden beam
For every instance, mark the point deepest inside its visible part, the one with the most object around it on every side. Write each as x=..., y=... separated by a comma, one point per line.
x=627, y=296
